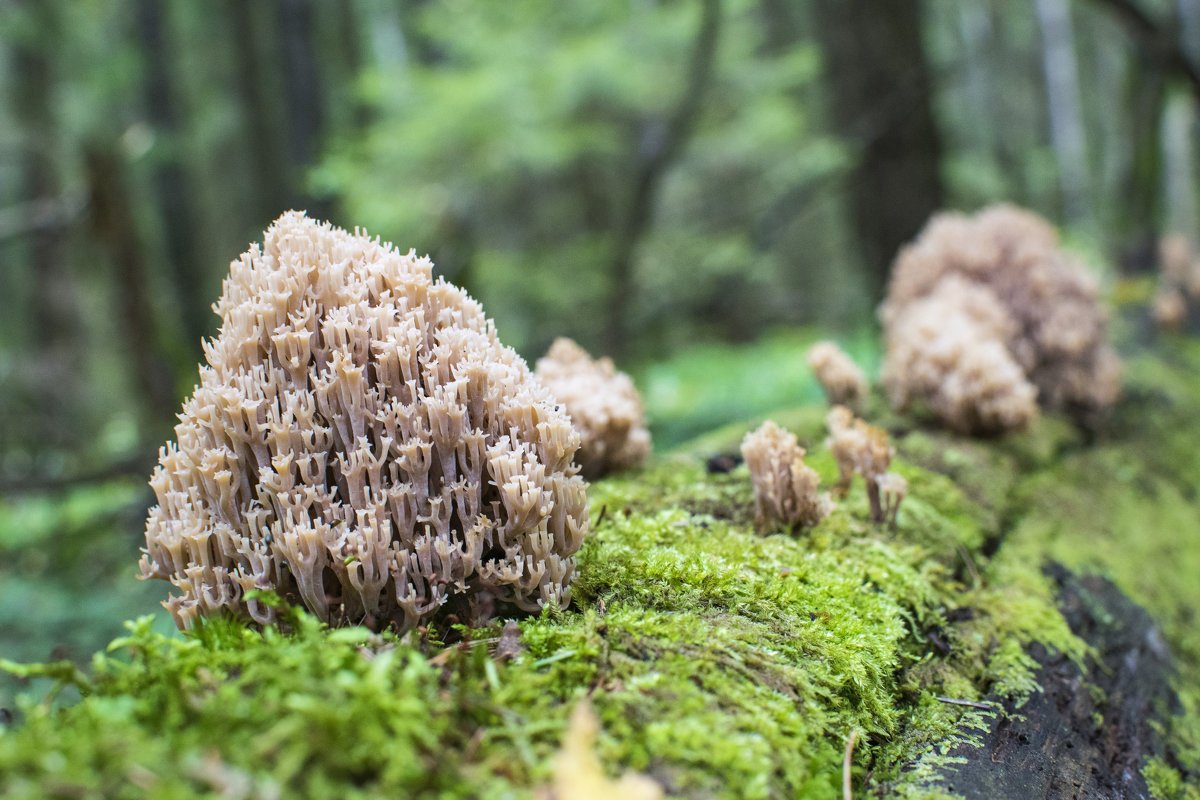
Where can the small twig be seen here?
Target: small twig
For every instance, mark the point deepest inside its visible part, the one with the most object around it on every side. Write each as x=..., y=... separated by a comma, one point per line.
x=847, y=793
x=952, y=701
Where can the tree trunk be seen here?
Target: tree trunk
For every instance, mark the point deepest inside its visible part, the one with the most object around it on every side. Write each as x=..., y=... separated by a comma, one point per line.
x=1064, y=108
x=172, y=184
x=345, y=19
x=1141, y=175
x=302, y=98
x=56, y=370
x=881, y=101
x=660, y=144
x=270, y=187
x=114, y=227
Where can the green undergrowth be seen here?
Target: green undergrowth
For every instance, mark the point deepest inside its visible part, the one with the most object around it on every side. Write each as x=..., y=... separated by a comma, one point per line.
x=721, y=661
x=66, y=562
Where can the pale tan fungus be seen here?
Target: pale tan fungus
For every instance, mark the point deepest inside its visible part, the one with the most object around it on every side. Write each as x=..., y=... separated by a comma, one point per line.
x=893, y=488
x=1175, y=257
x=863, y=449
x=1058, y=330
x=947, y=354
x=1169, y=309
x=841, y=379
x=603, y=404
x=362, y=444
x=785, y=488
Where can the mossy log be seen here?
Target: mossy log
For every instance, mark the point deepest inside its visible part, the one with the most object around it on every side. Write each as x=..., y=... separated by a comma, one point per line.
x=997, y=623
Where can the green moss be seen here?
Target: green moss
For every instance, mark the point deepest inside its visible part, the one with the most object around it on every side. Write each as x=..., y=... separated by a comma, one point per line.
x=722, y=661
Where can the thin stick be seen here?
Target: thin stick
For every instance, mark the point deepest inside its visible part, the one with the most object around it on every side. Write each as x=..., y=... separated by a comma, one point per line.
x=847, y=794
x=971, y=703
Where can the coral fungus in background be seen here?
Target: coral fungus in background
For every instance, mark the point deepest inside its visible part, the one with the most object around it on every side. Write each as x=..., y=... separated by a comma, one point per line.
x=603, y=404
x=361, y=443
x=947, y=351
x=861, y=448
x=1055, y=326
x=844, y=383
x=785, y=488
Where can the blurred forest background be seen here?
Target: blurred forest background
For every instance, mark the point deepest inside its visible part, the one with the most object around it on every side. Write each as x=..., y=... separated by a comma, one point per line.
x=663, y=180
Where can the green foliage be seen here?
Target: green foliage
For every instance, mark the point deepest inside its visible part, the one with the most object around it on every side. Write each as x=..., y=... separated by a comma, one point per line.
x=706, y=386
x=67, y=563
x=514, y=154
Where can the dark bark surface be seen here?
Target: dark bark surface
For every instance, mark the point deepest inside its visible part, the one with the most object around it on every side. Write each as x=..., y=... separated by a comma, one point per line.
x=172, y=184
x=662, y=141
x=882, y=105
x=1085, y=735
x=55, y=314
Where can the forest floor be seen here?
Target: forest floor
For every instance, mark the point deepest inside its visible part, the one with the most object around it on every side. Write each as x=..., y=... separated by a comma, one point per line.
x=721, y=662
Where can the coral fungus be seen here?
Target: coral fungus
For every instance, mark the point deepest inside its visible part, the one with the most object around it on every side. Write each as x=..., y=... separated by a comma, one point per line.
x=862, y=448
x=361, y=443
x=1178, y=283
x=1055, y=329
x=947, y=352
x=785, y=488
x=603, y=404
x=842, y=380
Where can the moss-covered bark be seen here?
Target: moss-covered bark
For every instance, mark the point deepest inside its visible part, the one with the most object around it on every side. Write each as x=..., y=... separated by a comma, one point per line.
x=721, y=662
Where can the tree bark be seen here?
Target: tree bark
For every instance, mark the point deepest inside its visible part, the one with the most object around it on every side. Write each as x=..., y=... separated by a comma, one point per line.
x=114, y=227
x=172, y=184
x=302, y=98
x=1052, y=746
x=661, y=142
x=1141, y=174
x=1065, y=107
x=1160, y=41
x=881, y=101
x=270, y=187
x=56, y=370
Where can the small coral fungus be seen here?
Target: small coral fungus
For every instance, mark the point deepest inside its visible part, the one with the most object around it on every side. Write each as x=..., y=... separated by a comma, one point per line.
x=844, y=383
x=1044, y=309
x=1178, y=283
x=361, y=443
x=603, y=404
x=785, y=488
x=861, y=448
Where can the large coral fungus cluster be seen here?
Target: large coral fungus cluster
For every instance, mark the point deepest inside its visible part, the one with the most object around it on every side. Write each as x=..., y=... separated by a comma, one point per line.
x=603, y=404
x=947, y=352
x=361, y=443
x=785, y=488
x=1019, y=300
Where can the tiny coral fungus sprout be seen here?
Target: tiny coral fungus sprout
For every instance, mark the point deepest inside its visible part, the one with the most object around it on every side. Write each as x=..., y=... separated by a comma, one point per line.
x=785, y=488
x=844, y=383
x=864, y=449
x=1024, y=319
x=362, y=444
x=603, y=404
